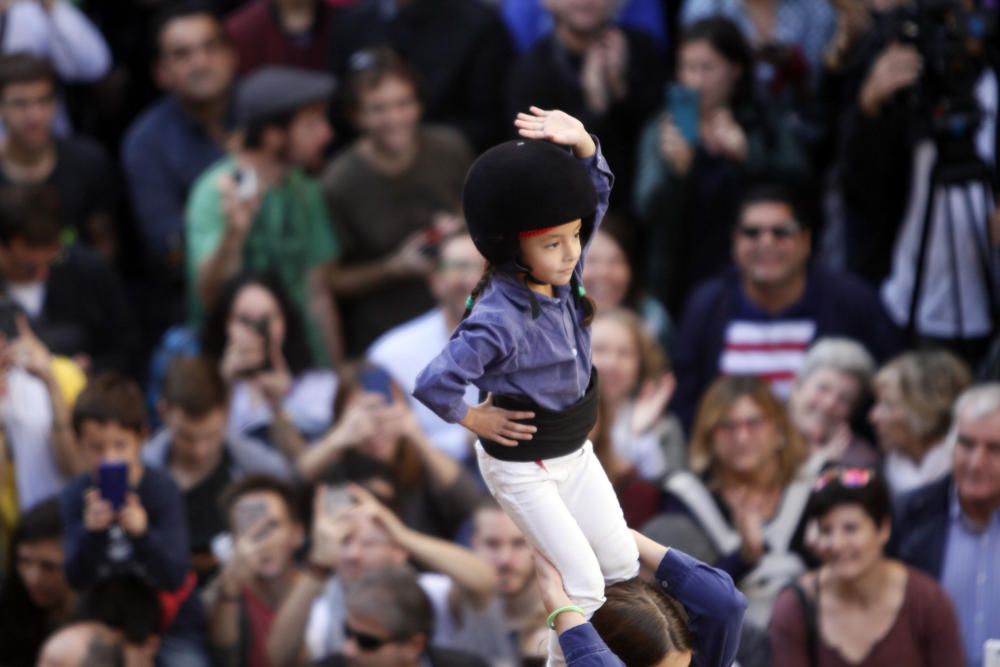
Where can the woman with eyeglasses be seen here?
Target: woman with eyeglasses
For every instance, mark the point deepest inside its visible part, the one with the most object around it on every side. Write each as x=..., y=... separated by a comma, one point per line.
x=742, y=505
x=713, y=138
x=34, y=598
x=393, y=194
x=860, y=608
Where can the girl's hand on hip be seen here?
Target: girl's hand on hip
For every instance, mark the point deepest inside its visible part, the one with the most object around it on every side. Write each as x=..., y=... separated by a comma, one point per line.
x=497, y=424
x=557, y=127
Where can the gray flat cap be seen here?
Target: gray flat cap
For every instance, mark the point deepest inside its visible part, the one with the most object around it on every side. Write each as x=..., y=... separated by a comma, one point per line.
x=274, y=90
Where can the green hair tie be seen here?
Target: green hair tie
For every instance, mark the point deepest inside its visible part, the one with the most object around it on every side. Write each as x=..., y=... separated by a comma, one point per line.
x=581, y=290
x=469, y=301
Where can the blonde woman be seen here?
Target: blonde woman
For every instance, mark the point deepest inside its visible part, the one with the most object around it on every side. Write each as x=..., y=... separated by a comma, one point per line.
x=741, y=507
x=913, y=397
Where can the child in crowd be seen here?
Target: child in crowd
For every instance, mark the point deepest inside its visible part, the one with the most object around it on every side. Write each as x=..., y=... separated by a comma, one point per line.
x=532, y=207
x=146, y=535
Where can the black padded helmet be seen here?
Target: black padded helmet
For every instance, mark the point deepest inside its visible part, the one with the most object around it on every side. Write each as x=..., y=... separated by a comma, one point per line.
x=522, y=186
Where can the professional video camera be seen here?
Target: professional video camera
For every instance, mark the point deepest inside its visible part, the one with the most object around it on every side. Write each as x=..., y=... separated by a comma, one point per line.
x=947, y=225
x=951, y=37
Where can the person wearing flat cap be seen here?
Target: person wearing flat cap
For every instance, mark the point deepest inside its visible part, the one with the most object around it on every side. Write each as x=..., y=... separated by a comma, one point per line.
x=258, y=210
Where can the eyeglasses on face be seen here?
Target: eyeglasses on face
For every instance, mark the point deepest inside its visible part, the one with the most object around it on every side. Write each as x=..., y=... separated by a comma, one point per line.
x=851, y=478
x=365, y=641
x=731, y=426
x=779, y=232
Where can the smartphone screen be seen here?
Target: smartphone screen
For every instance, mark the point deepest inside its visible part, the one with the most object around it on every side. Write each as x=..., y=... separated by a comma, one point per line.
x=336, y=498
x=682, y=105
x=247, y=512
x=376, y=380
x=112, y=481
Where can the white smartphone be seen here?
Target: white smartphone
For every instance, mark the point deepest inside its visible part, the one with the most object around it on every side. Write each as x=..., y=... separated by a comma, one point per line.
x=246, y=182
x=991, y=653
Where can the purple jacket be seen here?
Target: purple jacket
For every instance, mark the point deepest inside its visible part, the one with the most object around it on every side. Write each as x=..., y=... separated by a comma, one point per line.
x=502, y=349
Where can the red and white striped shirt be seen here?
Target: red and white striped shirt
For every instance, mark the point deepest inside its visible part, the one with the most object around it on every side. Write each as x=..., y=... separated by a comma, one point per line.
x=772, y=350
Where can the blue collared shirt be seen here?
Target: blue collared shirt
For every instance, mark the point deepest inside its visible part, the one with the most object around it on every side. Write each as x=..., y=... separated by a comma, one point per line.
x=715, y=611
x=502, y=349
x=971, y=575
x=164, y=152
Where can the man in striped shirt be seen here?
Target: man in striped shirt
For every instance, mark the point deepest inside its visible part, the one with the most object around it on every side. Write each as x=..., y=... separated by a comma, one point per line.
x=760, y=317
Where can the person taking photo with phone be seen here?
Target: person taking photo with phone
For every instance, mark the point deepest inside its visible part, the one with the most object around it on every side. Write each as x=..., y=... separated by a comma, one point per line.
x=696, y=158
x=120, y=517
x=257, y=209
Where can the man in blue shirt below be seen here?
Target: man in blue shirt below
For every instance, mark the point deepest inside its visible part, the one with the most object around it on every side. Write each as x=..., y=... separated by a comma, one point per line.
x=176, y=139
x=951, y=528
x=759, y=317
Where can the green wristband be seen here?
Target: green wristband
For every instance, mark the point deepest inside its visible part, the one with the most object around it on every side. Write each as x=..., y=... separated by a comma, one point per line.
x=551, y=620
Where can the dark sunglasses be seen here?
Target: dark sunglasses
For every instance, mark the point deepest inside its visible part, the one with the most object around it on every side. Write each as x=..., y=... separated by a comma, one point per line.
x=780, y=232
x=365, y=641
x=850, y=478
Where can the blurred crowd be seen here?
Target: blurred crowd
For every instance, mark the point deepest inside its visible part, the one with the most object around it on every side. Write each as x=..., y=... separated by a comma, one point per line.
x=231, y=236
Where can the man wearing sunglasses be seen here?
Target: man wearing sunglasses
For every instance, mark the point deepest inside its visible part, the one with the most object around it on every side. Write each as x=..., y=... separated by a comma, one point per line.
x=759, y=317
x=389, y=623
x=951, y=528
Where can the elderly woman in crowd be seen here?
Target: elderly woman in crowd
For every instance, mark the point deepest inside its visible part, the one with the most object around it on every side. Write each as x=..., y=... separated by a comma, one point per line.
x=377, y=441
x=860, y=608
x=833, y=381
x=914, y=394
x=742, y=506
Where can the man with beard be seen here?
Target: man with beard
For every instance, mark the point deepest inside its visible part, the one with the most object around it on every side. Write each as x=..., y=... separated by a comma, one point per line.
x=406, y=349
x=257, y=209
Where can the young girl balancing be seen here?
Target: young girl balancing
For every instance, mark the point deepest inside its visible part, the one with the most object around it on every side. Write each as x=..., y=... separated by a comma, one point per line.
x=531, y=207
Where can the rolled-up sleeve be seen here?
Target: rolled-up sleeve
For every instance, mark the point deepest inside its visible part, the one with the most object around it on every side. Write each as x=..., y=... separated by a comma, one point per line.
x=714, y=606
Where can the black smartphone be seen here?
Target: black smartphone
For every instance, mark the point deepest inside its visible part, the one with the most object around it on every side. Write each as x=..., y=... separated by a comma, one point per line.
x=262, y=327
x=112, y=481
x=9, y=311
x=377, y=380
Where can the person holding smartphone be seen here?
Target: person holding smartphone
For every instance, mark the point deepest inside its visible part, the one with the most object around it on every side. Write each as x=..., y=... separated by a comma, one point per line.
x=696, y=158
x=120, y=516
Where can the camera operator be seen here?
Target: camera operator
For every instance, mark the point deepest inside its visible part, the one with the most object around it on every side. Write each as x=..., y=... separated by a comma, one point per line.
x=919, y=157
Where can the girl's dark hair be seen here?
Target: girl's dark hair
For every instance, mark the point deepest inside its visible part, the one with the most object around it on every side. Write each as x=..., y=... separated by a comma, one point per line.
x=725, y=37
x=368, y=68
x=23, y=625
x=589, y=307
x=838, y=485
x=641, y=624
x=295, y=348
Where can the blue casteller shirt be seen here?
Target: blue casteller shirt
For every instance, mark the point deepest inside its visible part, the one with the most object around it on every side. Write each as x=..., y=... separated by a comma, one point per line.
x=502, y=349
x=715, y=611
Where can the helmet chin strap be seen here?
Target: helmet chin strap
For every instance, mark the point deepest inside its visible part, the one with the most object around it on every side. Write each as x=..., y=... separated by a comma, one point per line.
x=526, y=270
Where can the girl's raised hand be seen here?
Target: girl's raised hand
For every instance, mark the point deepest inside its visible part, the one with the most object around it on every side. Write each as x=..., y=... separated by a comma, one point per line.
x=557, y=127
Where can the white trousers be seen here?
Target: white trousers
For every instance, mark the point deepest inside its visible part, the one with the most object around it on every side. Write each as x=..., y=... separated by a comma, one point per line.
x=568, y=510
